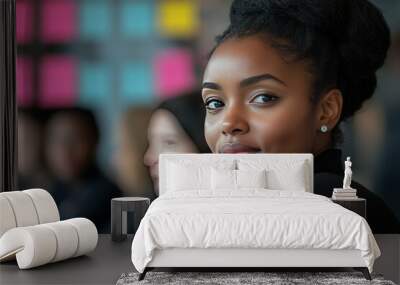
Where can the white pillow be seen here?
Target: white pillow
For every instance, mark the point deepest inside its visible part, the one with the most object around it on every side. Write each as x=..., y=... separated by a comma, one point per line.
x=251, y=178
x=222, y=179
x=281, y=174
x=181, y=177
x=183, y=173
x=291, y=179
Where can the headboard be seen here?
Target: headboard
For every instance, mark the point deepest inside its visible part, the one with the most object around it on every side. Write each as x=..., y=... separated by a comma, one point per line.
x=213, y=159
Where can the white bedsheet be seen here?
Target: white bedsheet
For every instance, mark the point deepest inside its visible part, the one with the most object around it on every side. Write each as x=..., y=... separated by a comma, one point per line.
x=250, y=219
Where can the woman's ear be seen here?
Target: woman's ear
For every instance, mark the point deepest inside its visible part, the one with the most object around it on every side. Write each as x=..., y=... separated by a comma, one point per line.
x=329, y=109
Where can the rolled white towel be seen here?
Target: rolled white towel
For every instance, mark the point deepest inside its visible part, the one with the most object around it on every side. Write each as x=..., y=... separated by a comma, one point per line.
x=7, y=218
x=40, y=244
x=23, y=208
x=33, y=246
x=45, y=205
x=87, y=234
x=26, y=208
x=67, y=240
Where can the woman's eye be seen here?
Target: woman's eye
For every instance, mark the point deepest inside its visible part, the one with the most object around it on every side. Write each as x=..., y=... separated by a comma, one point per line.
x=169, y=142
x=263, y=98
x=214, y=104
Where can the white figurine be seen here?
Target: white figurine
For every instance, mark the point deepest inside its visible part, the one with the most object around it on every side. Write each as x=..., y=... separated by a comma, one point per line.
x=347, y=174
x=345, y=193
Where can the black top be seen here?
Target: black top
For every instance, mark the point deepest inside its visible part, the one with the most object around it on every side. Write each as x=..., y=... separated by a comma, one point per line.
x=90, y=198
x=329, y=173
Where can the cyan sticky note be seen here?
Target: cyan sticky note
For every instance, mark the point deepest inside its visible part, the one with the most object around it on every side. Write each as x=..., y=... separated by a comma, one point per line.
x=136, y=83
x=178, y=18
x=95, y=19
x=136, y=18
x=58, y=81
x=174, y=72
x=94, y=83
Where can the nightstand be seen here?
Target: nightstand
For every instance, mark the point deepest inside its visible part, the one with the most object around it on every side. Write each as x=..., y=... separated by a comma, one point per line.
x=358, y=205
x=119, y=211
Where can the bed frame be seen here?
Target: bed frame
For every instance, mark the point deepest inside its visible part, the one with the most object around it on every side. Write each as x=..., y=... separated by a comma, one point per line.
x=248, y=259
x=260, y=259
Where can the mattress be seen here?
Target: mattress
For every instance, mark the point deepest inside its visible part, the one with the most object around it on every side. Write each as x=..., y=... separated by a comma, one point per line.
x=252, y=218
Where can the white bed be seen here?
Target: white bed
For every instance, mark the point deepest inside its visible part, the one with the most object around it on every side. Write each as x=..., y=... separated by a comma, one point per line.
x=288, y=226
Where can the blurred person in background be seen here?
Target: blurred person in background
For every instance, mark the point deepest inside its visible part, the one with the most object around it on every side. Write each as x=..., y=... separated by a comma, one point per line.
x=176, y=126
x=32, y=171
x=132, y=175
x=79, y=187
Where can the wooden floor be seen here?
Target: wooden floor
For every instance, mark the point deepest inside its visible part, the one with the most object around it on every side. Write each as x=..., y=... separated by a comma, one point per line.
x=110, y=259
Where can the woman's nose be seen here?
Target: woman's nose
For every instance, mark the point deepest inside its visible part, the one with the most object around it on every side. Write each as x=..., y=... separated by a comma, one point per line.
x=150, y=158
x=234, y=122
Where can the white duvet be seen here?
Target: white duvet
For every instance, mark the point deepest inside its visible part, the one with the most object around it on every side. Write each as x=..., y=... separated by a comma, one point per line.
x=250, y=219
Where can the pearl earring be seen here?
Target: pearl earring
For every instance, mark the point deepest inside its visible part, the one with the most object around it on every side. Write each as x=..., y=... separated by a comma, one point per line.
x=324, y=128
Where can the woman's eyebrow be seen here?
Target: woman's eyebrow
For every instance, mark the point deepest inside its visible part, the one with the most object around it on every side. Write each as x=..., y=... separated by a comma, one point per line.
x=212, y=85
x=257, y=78
x=246, y=82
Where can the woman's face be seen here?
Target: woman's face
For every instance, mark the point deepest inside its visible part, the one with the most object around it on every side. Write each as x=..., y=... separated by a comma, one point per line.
x=165, y=135
x=70, y=147
x=256, y=101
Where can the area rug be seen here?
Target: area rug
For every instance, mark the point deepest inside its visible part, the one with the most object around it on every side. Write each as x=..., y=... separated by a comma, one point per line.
x=273, y=278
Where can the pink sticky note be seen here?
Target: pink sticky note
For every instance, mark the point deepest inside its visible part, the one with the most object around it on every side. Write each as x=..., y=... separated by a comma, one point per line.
x=24, y=81
x=24, y=21
x=58, y=81
x=174, y=72
x=59, y=18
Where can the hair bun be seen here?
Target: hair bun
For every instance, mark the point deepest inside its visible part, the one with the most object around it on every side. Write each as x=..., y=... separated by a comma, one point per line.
x=352, y=25
x=360, y=50
x=346, y=40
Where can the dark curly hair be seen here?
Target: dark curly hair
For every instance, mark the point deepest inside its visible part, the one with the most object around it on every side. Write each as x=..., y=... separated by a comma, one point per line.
x=188, y=109
x=344, y=41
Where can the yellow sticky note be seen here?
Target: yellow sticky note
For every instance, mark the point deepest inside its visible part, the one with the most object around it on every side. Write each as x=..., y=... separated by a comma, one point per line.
x=178, y=18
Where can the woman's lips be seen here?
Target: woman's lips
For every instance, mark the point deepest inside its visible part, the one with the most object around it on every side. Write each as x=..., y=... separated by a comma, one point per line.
x=238, y=148
x=154, y=172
